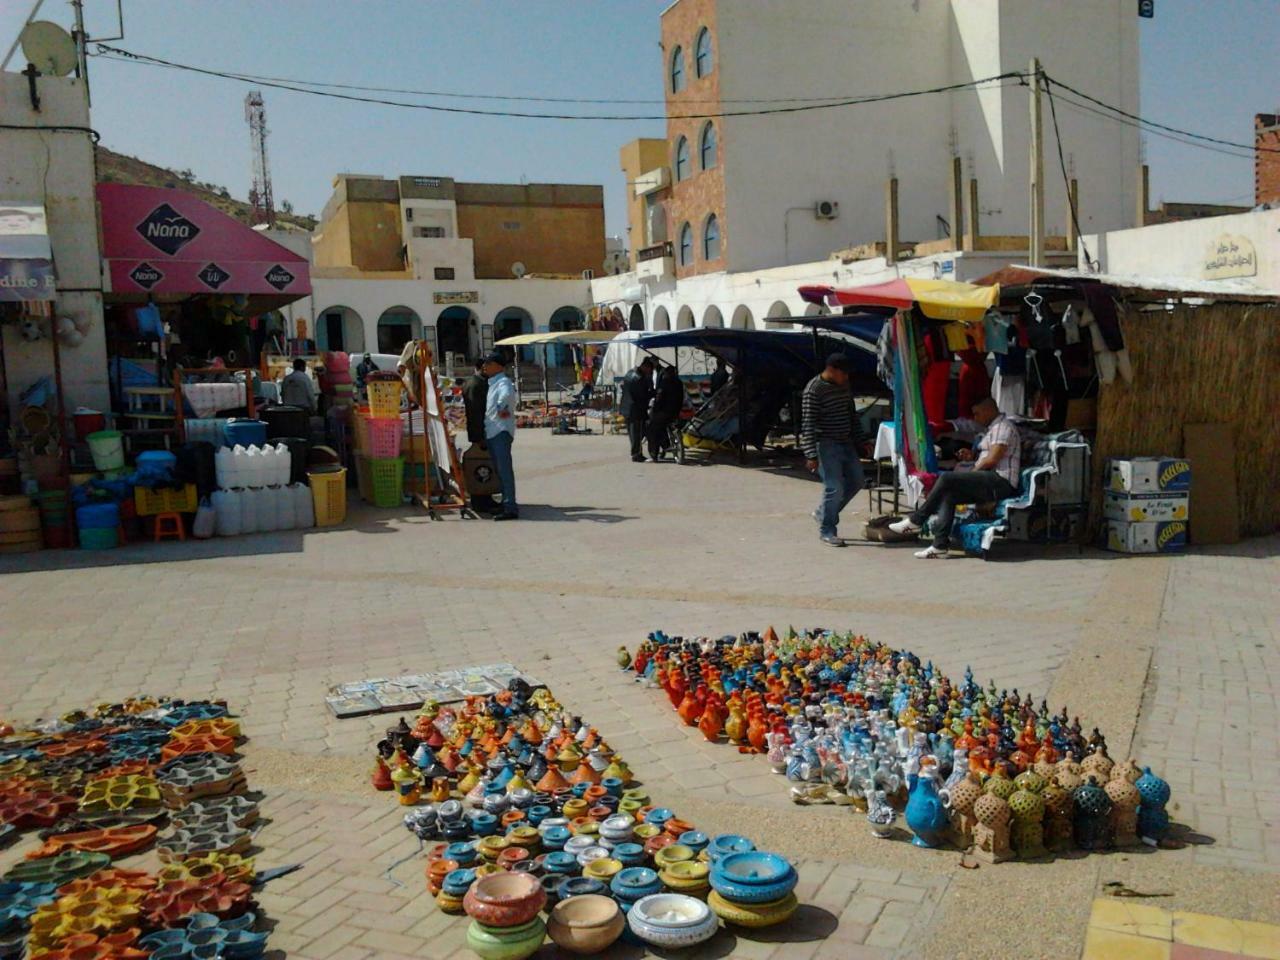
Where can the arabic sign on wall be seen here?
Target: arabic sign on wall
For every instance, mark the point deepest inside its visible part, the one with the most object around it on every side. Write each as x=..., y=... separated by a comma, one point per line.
x=456, y=296
x=1230, y=255
x=26, y=260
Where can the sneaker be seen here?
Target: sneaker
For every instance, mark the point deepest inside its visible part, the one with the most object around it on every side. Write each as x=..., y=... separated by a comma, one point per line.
x=932, y=553
x=905, y=525
x=832, y=541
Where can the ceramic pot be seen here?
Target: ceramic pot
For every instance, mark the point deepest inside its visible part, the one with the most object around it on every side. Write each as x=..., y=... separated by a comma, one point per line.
x=633, y=883
x=672, y=921
x=925, y=813
x=504, y=899
x=695, y=840
x=458, y=882
x=727, y=843
x=603, y=868
x=586, y=924
x=554, y=838
x=506, y=943
x=672, y=853
x=631, y=854
x=581, y=887
x=753, y=915
x=559, y=862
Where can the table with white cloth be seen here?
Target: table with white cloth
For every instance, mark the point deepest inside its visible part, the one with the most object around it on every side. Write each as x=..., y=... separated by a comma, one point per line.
x=886, y=448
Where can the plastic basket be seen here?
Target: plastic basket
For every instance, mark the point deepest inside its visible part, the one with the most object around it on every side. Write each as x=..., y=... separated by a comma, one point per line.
x=99, y=538
x=384, y=438
x=388, y=481
x=360, y=430
x=151, y=502
x=384, y=397
x=329, y=493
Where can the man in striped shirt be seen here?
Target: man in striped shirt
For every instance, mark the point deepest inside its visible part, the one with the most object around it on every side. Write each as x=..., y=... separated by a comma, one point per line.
x=830, y=436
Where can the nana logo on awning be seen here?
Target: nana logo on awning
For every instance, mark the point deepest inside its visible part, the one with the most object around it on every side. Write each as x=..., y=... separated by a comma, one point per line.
x=279, y=277
x=167, y=230
x=145, y=275
x=213, y=276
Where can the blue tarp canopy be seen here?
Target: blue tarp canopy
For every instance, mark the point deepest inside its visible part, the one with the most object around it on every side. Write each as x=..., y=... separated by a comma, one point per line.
x=786, y=354
x=863, y=327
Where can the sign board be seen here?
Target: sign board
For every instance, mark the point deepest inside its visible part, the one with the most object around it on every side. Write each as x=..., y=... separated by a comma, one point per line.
x=26, y=258
x=1147, y=9
x=456, y=296
x=1230, y=255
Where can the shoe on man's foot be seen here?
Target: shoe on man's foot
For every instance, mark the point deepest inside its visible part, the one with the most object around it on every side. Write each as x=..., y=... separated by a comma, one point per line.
x=905, y=525
x=933, y=553
x=832, y=540
x=637, y=459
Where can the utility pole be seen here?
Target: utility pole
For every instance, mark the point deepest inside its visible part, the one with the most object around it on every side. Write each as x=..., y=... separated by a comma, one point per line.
x=1037, y=169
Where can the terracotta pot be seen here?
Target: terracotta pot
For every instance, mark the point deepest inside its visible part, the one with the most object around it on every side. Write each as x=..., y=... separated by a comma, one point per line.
x=676, y=827
x=586, y=924
x=509, y=857
x=504, y=899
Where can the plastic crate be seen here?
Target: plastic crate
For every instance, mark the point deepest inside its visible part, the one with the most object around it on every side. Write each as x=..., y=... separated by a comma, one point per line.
x=151, y=502
x=384, y=437
x=384, y=396
x=388, y=481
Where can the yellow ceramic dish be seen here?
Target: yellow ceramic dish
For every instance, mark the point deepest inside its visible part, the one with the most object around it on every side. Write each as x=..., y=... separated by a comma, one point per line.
x=602, y=869
x=672, y=853
x=753, y=914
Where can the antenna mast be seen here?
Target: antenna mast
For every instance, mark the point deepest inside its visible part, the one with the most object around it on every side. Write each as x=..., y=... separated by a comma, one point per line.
x=260, y=197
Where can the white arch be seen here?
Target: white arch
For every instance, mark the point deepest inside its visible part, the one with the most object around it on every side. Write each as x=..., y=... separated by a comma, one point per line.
x=817, y=310
x=684, y=319
x=351, y=326
x=712, y=317
x=777, y=309
x=742, y=319
x=661, y=319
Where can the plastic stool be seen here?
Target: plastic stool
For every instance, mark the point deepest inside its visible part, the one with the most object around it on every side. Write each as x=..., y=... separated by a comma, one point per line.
x=169, y=526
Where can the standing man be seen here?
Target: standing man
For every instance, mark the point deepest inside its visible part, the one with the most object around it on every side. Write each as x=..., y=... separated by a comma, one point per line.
x=475, y=397
x=297, y=390
x=830, y=436
x=637, y=391
x=993, y=476
x=720, y=377
x=666, y=408
x=500, y=430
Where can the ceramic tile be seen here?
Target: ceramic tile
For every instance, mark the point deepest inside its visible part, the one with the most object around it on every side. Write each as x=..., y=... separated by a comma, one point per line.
x=1103, y=944
x=1182, y=951
x=1125, y=916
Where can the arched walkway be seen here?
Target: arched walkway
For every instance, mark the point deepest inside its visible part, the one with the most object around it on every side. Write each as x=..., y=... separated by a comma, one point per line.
x=684, y=319
x=817, y=310
x=713, y=317
x=565, y=318
x=777, y=309
x=636, y=320
x=742, y=319
x=661, y=319
x=511, y=322
x=453, y=337
x=340, y=329
x=396, y=327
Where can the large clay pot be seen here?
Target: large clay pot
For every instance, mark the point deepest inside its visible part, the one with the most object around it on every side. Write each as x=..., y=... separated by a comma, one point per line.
x=585, y=924
x=504, y=899
x=506, y=943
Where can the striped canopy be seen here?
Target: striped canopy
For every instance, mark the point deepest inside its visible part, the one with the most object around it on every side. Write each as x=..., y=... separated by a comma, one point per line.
x=937, y=299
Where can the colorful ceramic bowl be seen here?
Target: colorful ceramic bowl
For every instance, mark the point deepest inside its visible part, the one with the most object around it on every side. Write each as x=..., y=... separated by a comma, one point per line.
x=506, y=943
x=753, y=914
x=581, y=887
x=727, y=843
x=585, y=924
x=633, y=883
x=504, y=899
x=672, y=853
x=603, y=868
x=672, y=921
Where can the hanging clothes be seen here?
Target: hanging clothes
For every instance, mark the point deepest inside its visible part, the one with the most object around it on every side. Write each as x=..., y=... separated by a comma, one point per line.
x=937, y=376
x=995, y=332
x=1009, y=390
x=975, y=383
x=914, y=444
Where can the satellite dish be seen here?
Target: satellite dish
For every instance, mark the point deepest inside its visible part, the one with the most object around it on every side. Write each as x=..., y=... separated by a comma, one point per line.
x=49, y=47
x=518, y=270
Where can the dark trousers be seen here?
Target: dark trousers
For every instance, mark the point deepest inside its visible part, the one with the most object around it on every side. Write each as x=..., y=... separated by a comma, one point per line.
x=959, y=486
x=657, y=434
x=636, y=427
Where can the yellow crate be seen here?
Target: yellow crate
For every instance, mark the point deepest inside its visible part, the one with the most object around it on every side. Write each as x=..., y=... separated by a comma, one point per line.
x=151, y=502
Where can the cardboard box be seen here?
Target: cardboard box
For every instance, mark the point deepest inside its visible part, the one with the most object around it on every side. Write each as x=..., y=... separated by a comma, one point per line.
x=1144, y=508
x=1125, y=537
x=1149, y=475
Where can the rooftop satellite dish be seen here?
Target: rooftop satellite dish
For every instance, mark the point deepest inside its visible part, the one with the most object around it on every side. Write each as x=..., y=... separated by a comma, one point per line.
x=49, y=47
x=518, y=270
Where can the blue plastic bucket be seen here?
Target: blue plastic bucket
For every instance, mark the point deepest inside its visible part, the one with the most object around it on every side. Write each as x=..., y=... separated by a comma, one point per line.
x=98, y=516
x=248, y=433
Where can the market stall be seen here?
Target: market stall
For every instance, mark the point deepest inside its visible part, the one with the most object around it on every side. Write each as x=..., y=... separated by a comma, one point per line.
x=547, y=415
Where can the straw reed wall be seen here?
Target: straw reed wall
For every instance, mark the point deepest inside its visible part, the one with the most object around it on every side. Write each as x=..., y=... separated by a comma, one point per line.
x=1213, y=364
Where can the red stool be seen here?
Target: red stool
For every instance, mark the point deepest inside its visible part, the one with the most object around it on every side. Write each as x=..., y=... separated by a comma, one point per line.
x=169, y=527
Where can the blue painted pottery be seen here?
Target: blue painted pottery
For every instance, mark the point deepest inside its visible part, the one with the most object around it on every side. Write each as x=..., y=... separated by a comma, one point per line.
x=463, y=853
x=560, y=862
x=458, y=882
x=554, y=838
x=632, y=883
x=613, y=785
x=581, y=886
x=631, y=854
x=658, y=816
x=484, y=824
x=727, y=843
x=695, y=840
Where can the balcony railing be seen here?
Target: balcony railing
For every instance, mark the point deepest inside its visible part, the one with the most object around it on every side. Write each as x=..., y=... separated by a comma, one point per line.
x=655, y=252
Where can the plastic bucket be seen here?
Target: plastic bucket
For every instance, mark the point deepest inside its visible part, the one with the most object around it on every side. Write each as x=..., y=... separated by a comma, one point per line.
x=87, y=422
x=98, y=516
x=286, y=421
x=99, y=538
x=329, y=493
x=107, y=447
x=246, y=433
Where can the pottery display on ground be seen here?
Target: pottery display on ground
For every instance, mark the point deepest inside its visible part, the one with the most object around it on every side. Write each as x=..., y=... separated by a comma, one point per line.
x=585, y=925
x=506, y=943
x=671, y=921
x=504, y=899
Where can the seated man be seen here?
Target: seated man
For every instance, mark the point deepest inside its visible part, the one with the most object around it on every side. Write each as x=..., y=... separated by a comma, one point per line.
x=994, y=476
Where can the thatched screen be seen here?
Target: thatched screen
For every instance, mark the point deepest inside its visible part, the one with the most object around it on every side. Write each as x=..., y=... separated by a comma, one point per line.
x=1212, y=364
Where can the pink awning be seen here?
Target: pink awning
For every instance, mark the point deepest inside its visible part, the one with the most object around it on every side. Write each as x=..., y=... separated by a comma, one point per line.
x=159, y=241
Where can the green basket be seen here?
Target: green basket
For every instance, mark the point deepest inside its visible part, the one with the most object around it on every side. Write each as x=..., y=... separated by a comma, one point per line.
x=388, y=482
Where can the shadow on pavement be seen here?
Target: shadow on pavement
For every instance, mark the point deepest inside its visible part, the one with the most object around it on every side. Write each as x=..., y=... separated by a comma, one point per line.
x=545, y=513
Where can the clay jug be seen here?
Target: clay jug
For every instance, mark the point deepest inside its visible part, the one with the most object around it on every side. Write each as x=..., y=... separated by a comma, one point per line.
x=712, y=720
x=688, y=709
x=925, y=813
x=735, y=725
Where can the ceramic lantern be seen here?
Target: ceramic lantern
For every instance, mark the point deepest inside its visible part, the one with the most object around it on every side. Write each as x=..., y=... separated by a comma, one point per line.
x=1093, y=808
x=1059, y=808
x=1153, y=821
x=991, y=833
x=963, y=797
x=1027, y=834
x=1124, y=798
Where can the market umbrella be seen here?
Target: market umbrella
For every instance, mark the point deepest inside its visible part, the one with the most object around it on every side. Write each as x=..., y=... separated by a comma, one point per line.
x=937, y=299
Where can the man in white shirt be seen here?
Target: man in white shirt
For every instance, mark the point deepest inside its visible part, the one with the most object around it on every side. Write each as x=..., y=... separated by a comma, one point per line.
x=995, y=476
x=500, y=430
x=297, y=389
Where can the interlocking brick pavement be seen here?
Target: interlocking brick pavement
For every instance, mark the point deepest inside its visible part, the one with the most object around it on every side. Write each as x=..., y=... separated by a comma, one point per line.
x=607, y=550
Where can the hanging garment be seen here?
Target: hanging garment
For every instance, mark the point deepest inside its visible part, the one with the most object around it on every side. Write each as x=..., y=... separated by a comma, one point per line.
x=995, y=329
x=1009, y=391
x=937, y=377
x=975, y=383
x=884, y=354
x=1071, y=325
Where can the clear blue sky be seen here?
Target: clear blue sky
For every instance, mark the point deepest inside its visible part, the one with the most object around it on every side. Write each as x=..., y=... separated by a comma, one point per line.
x=1206, y=66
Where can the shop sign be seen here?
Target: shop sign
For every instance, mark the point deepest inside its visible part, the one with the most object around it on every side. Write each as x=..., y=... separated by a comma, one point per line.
x=1229, y=256
x=167, y=230
x=145, y=275
x=278, y=277
x=213, y=276
x=456, y=296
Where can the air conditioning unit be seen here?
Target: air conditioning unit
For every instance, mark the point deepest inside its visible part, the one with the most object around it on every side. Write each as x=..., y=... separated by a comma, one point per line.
x=826, y=209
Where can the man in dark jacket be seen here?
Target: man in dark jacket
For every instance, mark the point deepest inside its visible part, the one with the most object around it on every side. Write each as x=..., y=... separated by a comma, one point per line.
x=637, y=391
x=666, y=408
x=475, y=397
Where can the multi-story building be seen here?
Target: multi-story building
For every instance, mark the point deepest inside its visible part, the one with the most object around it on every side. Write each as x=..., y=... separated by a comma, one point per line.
x=760, y=173
x=462, y=264
x=1266, y=158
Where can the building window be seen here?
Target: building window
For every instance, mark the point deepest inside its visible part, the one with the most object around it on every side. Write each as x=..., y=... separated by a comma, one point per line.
x=408, y=214
x=429, y=233
x=702, y=62
x=444, y=273
x=677, y=70
x=708, y=147
x=711, y=239
x=682, y=159
x=686, y=245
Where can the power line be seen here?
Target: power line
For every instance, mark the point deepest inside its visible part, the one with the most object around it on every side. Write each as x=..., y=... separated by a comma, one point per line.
x=127, y=56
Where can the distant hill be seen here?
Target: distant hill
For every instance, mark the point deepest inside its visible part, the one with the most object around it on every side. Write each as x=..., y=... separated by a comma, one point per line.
x=118, y=168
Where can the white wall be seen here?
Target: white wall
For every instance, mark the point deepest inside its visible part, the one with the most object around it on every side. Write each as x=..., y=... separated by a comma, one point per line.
x=1181, y=250
x=775, y=163
x=57, y=170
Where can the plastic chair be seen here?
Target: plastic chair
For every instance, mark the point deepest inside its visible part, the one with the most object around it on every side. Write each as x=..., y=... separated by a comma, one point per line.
x=169, y=526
